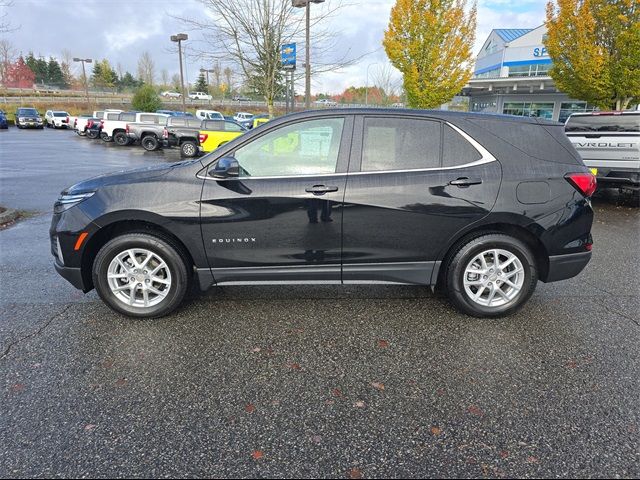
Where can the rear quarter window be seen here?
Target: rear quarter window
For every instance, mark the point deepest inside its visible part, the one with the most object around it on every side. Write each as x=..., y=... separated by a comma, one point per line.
x=538, y=141
x=456, y=150
x=127, y=117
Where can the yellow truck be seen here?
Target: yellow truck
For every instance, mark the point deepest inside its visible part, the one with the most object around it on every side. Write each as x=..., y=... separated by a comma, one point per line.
x=215, y=133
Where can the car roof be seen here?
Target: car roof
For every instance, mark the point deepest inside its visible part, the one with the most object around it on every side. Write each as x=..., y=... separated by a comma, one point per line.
x=439, y=114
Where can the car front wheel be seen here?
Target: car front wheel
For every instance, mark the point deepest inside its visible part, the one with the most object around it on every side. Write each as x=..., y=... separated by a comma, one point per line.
x=104, y=137
x=141, y=275
x=492, y=275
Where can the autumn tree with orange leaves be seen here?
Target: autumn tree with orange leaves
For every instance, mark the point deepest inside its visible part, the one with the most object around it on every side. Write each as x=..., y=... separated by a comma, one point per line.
x=595, y=48
x=431, y=43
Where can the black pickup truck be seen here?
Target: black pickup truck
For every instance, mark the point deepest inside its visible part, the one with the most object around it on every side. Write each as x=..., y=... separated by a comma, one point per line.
x=183, y=133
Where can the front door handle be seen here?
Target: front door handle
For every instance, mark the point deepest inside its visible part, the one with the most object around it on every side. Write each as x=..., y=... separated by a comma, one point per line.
x=320, y=189
x=465, y=182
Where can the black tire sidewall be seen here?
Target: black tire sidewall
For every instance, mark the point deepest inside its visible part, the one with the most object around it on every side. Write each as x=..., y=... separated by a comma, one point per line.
x=151, y=141
x=176, y=262
x=456, y=268
x=120, y=135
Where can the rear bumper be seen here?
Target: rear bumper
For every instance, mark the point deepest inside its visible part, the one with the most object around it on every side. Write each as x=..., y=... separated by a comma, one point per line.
x=566, y=266
x=72, y=275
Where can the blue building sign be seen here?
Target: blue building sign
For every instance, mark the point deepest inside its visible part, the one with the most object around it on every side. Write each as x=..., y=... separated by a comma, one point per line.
x=288, y=56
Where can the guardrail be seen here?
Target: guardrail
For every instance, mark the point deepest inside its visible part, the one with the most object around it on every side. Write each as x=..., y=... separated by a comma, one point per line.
x=123, y=101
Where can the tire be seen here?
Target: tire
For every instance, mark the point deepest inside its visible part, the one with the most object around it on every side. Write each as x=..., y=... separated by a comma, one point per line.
x=175, y=274
x=105, y=138
x=121, y=139
x=520, y=271
x=150, y=143
x=189, y=149
x=92, y=134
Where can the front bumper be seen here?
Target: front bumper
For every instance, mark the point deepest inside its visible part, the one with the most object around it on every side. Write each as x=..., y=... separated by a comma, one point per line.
x=566, y=266
x=72, y=275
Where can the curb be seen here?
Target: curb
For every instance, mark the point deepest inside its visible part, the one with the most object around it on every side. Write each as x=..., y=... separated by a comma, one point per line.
x=8, y=215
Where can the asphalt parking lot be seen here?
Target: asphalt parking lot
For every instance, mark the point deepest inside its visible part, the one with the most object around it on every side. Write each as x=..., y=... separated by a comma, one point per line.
x=372, y=381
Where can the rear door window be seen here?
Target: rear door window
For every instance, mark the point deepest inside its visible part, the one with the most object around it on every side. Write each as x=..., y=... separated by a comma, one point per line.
x=400, y=144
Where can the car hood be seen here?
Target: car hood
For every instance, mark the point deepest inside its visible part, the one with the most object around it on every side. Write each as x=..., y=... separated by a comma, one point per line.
x=127, y=176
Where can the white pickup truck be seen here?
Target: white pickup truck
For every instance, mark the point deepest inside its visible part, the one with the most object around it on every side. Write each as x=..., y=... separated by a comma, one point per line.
x=609, y=144
x=79, y=123
x=115, y=129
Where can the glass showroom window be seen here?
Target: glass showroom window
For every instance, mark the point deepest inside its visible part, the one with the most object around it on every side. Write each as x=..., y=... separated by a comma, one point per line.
x=533, y=70
x=529, y=109
x=484, y=104
x=567, y=108
x=495, y=73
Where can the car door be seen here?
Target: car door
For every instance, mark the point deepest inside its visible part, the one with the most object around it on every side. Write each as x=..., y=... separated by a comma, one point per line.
x=280, y=220
x=413, y=183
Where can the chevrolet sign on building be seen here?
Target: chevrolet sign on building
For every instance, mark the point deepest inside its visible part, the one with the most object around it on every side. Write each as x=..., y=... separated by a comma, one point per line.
x=511, y=76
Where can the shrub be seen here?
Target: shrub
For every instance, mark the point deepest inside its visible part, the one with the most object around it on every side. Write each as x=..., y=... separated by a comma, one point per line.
x=145, y=99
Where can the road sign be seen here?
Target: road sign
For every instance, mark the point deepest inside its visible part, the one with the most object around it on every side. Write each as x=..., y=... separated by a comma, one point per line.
x=288, y=56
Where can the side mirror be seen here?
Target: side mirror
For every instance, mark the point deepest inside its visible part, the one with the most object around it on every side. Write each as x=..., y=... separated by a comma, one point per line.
x=226, y=167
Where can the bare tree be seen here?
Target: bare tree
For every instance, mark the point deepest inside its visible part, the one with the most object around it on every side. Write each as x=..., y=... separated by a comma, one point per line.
x=251, y=32
x=146, y=68
x=217, y=74
x=387, y=79
x=164, y=77
x=66, y=65
x=7, y=56
x=175, y=81
x=5, y=20
x=228, y=78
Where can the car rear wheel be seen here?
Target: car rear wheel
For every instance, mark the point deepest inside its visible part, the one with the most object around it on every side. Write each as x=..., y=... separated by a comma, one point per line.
x=141, y=275
x=150, y=143
x=121, y=138
x=93, y=134
x=189, y=149
x=492, y=275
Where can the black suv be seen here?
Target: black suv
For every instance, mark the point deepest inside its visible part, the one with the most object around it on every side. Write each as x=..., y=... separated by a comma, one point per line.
x=482, y=205
x=28, y=118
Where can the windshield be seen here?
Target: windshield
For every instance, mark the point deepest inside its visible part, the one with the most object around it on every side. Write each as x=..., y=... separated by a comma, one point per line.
x=603, y=123
x=27, y=111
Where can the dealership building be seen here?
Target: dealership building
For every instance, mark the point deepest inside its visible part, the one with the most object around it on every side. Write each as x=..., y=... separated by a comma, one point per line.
x=511, y=76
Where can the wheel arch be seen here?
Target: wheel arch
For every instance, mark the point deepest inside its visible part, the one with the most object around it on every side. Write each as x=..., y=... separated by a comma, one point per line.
x=521, y=232
x=122, y=226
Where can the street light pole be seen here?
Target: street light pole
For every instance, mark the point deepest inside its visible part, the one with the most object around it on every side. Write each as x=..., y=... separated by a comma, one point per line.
x=179, y=38
x=84, y=74
x=366, y=83
x=307, y=55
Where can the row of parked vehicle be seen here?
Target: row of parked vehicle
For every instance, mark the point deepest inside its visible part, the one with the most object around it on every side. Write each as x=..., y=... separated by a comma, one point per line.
x=192, y=134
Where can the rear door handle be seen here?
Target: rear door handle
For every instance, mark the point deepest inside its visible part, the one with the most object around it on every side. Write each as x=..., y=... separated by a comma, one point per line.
x=465, y=182
x=320, y=189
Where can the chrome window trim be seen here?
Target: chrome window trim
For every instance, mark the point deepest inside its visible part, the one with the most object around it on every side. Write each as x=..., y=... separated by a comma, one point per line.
x=486, y=157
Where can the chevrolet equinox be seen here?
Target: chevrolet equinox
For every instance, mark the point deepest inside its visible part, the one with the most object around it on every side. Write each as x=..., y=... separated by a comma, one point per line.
x=482, y=206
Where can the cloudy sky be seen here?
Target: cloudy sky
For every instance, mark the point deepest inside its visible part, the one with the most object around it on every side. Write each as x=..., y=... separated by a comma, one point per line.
x=120, y=30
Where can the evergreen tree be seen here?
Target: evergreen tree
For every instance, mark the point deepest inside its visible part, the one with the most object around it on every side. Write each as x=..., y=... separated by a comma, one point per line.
x=146, y=99
x=201, y=84
x=54, y=74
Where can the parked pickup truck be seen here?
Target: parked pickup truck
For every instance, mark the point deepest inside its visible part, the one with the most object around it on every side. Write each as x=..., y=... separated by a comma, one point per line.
x=215, y=133
x=149, y=135
x=115, y=129
x=79, y=124
x=183, y=132
x=609, y=144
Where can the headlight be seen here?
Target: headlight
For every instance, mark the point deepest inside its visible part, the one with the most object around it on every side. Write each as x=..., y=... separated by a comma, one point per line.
x=21, y=119
x=65, y=202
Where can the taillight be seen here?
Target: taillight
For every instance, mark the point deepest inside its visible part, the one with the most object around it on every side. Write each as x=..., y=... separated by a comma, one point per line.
x=75, y=123
x=67, y=119
x=165, y=133
x=101, y=123
x=90, y=124
x=584, y=182
x=126, y=128
x=203, y=137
